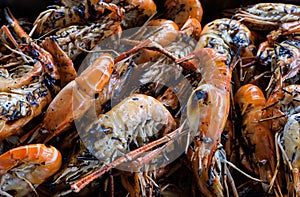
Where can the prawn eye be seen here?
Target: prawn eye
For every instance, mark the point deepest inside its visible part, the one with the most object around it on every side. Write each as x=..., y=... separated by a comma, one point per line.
x=201, y=95
x=199, y=98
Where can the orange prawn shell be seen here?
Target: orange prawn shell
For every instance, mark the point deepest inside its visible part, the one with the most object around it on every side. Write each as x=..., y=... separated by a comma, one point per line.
x=181, y=10
x=257, y=135
x=148, y=6
x=213, y=66
x=192, y=27
x=77, y=96
x=167, y=34
x=47, y=159
x=208, y=105
x=213, y=105
x=63, y=61
x=249, y=96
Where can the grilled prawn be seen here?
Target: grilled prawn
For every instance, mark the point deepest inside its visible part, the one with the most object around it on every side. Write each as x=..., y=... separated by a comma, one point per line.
x=291, y=141
x=34, y=163
x=207, y=111
x=23, y=96
x=76, y=39
x=136, y=120
x=268, y=16
x=88, y=12
x=209, y=103
x=77, y=97
x=257, y=135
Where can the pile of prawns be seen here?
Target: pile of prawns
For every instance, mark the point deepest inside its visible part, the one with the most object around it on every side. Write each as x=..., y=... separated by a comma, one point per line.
x=226, y=93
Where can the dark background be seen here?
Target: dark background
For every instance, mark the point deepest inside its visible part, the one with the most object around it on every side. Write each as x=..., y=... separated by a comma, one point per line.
x=211, y=8
x=26, y=8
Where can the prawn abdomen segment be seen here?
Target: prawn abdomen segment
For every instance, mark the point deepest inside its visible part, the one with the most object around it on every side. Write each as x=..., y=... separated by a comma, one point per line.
x=45, y=161
x=137, y=119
